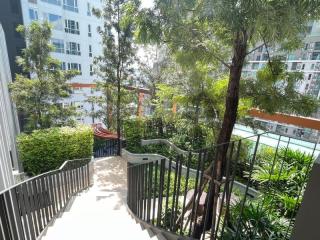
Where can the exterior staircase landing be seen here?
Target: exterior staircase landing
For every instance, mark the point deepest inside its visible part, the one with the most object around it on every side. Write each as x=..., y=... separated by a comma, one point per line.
x=101, y=213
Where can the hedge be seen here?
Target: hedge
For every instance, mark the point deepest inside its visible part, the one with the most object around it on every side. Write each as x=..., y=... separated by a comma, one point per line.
x=45, y=150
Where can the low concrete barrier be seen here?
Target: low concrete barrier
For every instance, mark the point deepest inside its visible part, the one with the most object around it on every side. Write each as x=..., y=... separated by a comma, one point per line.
x=168, y=143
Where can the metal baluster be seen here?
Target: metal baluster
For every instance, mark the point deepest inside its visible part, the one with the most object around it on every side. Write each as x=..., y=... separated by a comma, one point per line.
x=154, y=192
x=161, y=187
x=194, y=194
x=185, y=192
x=233, y=175
x=172, y=220
x=178, y=193
x=149, y=191
x=247, y=187
x=167, y=192
x=17, y=213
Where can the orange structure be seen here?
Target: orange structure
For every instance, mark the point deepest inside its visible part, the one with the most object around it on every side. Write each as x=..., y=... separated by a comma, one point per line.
x=304, y=122
x=101, y=132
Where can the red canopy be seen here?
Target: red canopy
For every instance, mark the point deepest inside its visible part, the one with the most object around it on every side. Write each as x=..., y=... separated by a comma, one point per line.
x=101, y=132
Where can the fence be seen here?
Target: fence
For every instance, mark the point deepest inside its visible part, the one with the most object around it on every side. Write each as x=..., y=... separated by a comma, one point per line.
x=27, y=208
x=105, y=147
x=255, y=196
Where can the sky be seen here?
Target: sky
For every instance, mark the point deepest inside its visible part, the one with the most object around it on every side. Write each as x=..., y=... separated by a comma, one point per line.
x=146, y=3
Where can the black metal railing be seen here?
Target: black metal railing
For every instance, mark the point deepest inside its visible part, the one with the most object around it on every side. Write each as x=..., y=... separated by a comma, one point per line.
x=105, y=147
x=255, y=196
x=27, y=208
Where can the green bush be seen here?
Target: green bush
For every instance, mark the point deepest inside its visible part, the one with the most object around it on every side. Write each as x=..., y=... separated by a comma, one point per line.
x=45, y=150
x=257, y=221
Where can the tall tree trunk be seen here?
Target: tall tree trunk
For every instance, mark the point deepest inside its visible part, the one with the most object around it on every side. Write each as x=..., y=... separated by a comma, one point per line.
x=110, y=104
x=118, y=120
x=229, y=120
x=119, y=87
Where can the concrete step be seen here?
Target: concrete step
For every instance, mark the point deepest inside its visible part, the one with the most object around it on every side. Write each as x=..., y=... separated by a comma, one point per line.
x=73, y=228
x=100, y=213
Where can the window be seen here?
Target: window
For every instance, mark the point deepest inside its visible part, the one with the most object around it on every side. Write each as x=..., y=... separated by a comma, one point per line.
x=89, y=31
x=90, y=51
x=317, y=46
x=309, y=29
x=71, y=5
x=58, y=45
x=33, y=1
x=315, y=56
x=294, y=66
x=33, y=14
x=55, y=2
x=88, y=9
x=309, y=77
x=63, y=66
x=91, y=70
x=72, y=27
x=265, y=57
x=258, y=58
x=54, y=19
x=303, y=66
x=255, y=66
x=73, y=48
x=74, y=66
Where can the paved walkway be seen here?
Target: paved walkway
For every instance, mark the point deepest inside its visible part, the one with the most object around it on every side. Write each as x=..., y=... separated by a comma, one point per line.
x=100, y=213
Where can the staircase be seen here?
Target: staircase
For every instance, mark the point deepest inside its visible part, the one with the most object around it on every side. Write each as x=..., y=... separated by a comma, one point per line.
x=101, y=213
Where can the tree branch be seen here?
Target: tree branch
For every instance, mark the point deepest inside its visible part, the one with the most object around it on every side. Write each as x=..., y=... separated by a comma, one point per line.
x=220, y=60
x=267, y=49
x=252, y=50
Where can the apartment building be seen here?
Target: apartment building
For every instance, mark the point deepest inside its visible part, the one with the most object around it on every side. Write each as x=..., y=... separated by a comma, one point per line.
x=9, y=126
x=305, y=60
x=74, y=37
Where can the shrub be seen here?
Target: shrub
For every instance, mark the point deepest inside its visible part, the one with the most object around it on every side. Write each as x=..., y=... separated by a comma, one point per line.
x=45, y=150
x=257, y=221
x=283, y=175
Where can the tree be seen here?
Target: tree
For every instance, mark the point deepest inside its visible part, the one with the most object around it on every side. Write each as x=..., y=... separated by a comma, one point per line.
x=40, y=97
x=226, y=32
x=115, y=65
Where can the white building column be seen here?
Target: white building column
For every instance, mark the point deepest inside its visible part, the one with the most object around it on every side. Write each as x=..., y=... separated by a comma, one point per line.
x=9, y=126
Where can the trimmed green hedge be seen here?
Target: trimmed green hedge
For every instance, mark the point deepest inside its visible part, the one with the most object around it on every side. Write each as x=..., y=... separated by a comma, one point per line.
x=45, y=150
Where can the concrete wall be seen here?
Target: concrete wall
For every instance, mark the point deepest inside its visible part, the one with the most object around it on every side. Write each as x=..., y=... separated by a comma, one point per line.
x=9, y=126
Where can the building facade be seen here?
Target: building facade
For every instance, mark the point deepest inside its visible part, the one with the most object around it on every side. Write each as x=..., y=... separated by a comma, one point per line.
x=305, y=60
x=74, y=37
x=9, y=126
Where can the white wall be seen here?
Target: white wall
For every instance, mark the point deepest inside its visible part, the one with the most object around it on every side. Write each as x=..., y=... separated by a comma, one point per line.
x=9, y=126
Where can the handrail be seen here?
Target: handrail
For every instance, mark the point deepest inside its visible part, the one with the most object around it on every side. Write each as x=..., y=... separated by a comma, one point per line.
x=145, y=158
x=166, y=194
x=27, y=208
x=42, y=174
